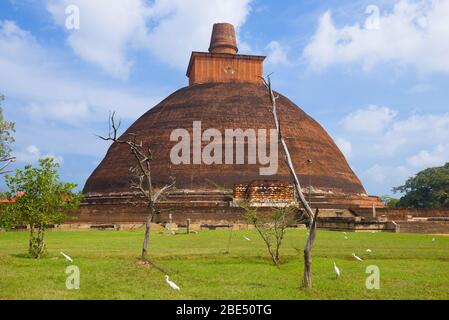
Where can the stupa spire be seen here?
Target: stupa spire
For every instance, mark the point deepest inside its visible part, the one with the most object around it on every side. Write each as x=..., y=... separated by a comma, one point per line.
x=223, y=39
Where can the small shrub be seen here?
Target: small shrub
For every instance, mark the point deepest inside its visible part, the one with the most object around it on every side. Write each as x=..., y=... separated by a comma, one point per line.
x=270, y=226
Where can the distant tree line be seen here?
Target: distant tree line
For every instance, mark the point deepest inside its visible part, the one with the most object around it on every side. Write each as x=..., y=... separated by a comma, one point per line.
x=427, y=189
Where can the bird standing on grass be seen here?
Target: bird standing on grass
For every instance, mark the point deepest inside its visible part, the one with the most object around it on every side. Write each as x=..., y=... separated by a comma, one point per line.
x=246, y=238
x=369, y=250
x=337, y=271
x=66, y=257
x=433, y=239
x=171, y=283
x=357, y=257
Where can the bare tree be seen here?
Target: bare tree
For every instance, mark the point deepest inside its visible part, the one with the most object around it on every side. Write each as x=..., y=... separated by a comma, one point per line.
x=4, y=162
x=309, y=214
x=270, y=226
x=142, y=182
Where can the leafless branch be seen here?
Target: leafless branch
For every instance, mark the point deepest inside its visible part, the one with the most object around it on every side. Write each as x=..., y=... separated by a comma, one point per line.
x=288, y=159
x=7, y=161
x=312, y=217
x=164, y=189
x=142, y=182
x=308, y=252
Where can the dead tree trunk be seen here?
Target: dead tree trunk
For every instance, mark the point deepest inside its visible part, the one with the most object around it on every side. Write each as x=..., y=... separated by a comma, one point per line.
x=30, y=240
x=311, y=216
x=308, y=253
x=142, y=171
x=146, y=239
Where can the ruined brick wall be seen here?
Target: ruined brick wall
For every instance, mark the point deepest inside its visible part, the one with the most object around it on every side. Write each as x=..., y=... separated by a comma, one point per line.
x=418, y=220
x=127, y=213
x=264, y=192
x=435, y=227
x=405, y=214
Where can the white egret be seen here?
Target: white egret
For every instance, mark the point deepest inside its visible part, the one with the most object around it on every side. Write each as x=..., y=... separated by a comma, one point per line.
x=246, y=238
x=337, y=270
x=369, y=250
x=66, y=257
x=346, y=238
x=171, y=283
x=357, y=257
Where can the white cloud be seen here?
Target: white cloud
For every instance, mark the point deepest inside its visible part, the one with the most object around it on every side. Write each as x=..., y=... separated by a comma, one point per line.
x=170, y=30
x=381, y=175
x=398, y=148
x=425, y=159
x=414, y=34
x=53, y=106
x=32, y=154
x=389, y=175
x=62, y=139
x=185, y=26
x=373, y=119
x=16, y=44
x=49, y=93
x=277, y=53
x=416, y=131
x=107, y=29
x=345, y=146
x=66, y=111
x=244, y=47
x=379, y=131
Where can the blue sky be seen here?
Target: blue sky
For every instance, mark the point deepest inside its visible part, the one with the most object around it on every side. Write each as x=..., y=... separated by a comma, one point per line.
x=375, y=74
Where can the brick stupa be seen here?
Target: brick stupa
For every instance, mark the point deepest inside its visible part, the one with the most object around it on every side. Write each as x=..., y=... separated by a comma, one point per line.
x=225, y=91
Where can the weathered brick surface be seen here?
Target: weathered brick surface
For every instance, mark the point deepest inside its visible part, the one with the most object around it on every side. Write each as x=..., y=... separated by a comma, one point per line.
x=222, y=64
x=126, y=213
x=225, y=92
x=413, y=220
x=264, y=192
x=223, y=39
x=226, y=106
x=424, y=227
x=405, y=214
x=206, y=67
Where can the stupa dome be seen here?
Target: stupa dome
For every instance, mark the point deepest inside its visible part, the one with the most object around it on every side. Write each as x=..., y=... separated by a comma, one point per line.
x=225, y=93
x=226, y=106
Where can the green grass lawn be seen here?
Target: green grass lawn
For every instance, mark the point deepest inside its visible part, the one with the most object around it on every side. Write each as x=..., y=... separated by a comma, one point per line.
x=411, y=266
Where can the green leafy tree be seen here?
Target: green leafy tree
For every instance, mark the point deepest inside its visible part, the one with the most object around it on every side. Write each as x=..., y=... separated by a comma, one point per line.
x=6, y=139
x=390, y=202
x=40, y=199
x=428, y=189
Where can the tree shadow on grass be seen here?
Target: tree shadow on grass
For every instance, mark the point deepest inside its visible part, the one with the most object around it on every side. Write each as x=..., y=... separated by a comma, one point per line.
x=21, y=255
x=27, y=256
